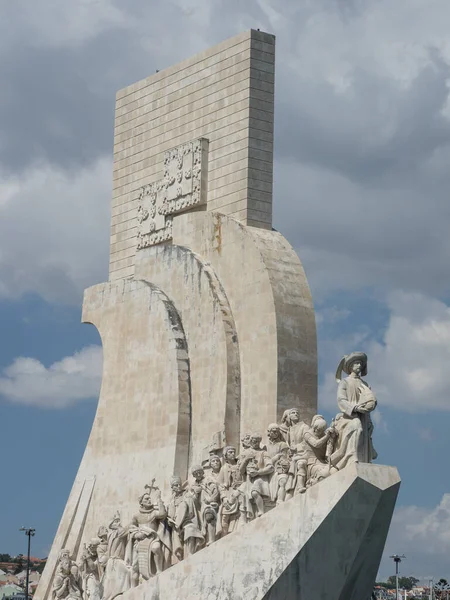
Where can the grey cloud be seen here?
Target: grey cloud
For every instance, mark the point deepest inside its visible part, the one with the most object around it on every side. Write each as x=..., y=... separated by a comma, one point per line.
x=373, y=132
x=361, y=173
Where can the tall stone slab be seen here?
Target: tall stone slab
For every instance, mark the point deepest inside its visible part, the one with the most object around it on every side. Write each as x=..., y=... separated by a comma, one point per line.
x=207, y=322
x=225, y=95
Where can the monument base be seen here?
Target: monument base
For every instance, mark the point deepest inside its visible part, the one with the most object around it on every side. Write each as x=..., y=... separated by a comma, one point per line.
x=325, y=544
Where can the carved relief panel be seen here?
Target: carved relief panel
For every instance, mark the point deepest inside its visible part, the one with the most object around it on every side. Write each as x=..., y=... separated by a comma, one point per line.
x=183, y=187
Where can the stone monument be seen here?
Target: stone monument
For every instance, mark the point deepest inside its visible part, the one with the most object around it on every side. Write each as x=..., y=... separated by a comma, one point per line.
x=208, y=473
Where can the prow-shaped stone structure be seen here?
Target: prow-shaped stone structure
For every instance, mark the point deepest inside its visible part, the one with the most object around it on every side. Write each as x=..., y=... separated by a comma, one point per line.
x=325, y=544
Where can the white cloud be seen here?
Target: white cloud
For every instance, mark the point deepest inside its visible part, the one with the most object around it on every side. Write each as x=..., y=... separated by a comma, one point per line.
x=423, y=534
x=57, y=24
x=331, y=314
x=65, y=382
x=54, y=229
x=408, y=370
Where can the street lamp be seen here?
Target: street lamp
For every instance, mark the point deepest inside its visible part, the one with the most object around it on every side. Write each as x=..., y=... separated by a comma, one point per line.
x=29, y=533
x=397, y=559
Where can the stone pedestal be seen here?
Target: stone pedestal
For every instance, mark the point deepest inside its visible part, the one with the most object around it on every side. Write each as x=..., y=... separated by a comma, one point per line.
x=325, y=544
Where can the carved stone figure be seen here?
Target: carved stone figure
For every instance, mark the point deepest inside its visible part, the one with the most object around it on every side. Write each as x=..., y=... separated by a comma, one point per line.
x=256, y=488
x=207, y=496
x=279, y=482
x=277, y=446
x=315, y=450
x=229, y=472
x=67, y=583
x=102, y=550
x=292, y=428
x=150, y=539
x=256, y=468
x=232, y=512
x=90, y=570
x=215, y=467
x=254, y=450
x=117, y=575
x=172, y=513
x=245, y=441
x=188, y=524
x=354, y=425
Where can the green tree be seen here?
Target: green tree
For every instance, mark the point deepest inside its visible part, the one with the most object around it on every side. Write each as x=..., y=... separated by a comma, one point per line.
x=404, y=583
x=19, y=565
x=5, y=558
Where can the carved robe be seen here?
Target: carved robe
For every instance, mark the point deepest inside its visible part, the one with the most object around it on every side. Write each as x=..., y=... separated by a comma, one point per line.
x=354, y=429
x=91, y=577
x=295, y=433
x=173, y=508
x=276, y=450
x=117, y=575
x=228, y=475
x=317, y=467
x=67, y=583
x=232, y=511
x=259, y=483
x=188, y=522
x=151, y=524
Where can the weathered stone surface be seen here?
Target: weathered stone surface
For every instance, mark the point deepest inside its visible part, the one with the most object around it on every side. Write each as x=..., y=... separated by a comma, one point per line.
x=325, y=544
x=271, y=303
x=226, y=95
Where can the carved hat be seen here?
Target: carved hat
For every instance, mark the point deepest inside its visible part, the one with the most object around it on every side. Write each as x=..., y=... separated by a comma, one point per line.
x=317, y=418
x=115, y=518
x=347, y=361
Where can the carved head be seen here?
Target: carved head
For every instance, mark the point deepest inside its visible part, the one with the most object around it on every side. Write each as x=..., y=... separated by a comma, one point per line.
x=215, y=463
x=65, y=562
x=245, y=441
x=63, y=554
x=356, y=363
x=318, y=425
x=115, y=522
x=176, y=485
x=102, y=533
x=91, y=547
x=274, y=433
x=229, y=453
x=65, y=565
x=197, y=472
x=145, y=501
x=294, y=416
x=290, y=417
x=252, y=468
x=255, y=441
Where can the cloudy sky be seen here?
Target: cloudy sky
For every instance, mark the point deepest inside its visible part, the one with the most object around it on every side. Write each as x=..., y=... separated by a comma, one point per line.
x=362, y=184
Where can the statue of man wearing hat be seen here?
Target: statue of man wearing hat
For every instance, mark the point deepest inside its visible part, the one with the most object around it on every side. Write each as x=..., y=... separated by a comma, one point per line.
x=353, y=425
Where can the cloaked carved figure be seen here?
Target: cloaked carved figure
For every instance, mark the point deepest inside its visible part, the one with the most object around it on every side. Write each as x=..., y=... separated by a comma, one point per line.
x=67, y=584
x=353, y=425
x=150, y=539
x=117, y=575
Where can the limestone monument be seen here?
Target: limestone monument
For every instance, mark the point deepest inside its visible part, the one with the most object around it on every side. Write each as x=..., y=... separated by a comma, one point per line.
x=208, y=473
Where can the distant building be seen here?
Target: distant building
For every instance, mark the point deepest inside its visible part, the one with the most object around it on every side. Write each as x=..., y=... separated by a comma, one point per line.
x=9, y=567
x=9, y=590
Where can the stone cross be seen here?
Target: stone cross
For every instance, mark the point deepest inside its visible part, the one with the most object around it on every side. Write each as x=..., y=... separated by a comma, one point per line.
x=182, y=188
